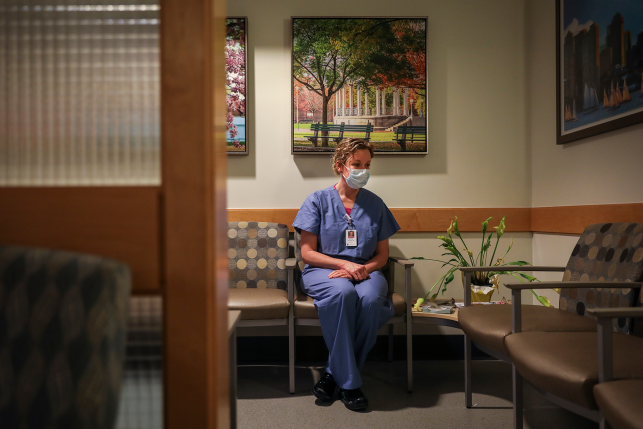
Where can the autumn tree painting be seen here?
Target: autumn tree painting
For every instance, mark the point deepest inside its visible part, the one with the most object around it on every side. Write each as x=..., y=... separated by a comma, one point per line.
x=358, y=71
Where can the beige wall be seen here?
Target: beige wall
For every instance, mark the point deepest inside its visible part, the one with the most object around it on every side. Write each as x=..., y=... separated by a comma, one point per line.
x=478, y=155
x=604, y=169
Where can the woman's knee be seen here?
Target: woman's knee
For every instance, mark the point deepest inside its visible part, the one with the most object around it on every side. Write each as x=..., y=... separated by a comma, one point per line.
x=344, y=291
x=370, y=300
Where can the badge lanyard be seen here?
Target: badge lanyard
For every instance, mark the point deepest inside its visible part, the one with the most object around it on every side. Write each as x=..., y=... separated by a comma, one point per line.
x=351, y=232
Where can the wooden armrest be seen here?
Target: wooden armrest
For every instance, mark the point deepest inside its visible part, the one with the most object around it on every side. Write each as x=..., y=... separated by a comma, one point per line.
x=610, y=313
x=572, y=285
x=291, y=262
x=511, y=268
x=401, y=261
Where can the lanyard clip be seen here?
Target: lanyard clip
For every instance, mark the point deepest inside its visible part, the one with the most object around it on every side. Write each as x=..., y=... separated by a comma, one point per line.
x=348, y=219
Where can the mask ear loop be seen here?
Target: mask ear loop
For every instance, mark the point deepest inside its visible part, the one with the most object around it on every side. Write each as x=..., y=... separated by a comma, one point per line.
x=346, y=178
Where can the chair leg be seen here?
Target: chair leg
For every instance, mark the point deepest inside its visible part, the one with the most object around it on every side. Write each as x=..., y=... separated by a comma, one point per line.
x=390, y=343
x=291, y=352
x=409, y=353
x=468, y=394
x=517, y=397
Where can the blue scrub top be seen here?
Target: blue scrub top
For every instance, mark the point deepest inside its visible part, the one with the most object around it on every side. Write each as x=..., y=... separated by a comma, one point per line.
x=323, y=215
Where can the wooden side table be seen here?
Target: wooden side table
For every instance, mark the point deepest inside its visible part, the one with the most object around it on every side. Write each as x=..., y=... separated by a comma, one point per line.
x=233, y=319
x=436, y=319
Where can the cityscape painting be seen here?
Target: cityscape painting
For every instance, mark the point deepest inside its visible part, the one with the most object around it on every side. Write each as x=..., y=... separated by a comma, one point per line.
x=359, y=77
x=600, y=67
x=235, y=66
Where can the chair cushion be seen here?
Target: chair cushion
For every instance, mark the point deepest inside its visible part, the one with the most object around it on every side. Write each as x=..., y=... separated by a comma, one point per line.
x=259, y=304
x=620, y=403
x=305, y=305
x=488, y=325
x=565, y=364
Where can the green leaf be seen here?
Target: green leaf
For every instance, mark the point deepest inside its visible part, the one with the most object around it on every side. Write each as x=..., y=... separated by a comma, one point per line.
x=527, y=277
x=449, y=262
x=519, y=263
x=449, y=279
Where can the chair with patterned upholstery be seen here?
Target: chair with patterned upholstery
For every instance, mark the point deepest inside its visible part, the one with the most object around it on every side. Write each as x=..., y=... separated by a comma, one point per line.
x=606, y=257
x=306, y=313
x=258, y=277
x=62, y=338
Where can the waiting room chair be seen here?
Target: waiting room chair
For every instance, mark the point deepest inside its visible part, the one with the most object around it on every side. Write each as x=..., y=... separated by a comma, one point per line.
x=619, y=401
x=607, y=257
x=563, y=366
x=258, y=277
x=305, y=311
x=604, y=252
x=62, y=338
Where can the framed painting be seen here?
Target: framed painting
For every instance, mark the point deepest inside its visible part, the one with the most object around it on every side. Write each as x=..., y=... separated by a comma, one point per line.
x=236, y=59
x=600, y=65
x=359, y=77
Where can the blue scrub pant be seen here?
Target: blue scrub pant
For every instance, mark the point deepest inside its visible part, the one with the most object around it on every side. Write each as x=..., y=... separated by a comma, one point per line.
x=350, y=314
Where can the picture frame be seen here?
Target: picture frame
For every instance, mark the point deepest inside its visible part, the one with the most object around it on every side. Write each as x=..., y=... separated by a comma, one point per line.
x=373, y=79
x=599, y=67
x=236, y=53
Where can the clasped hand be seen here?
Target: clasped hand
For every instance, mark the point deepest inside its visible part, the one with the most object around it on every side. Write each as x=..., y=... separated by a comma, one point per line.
x=351, y=271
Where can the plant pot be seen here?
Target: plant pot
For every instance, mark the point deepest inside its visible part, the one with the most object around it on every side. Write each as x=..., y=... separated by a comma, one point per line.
x=481, y=293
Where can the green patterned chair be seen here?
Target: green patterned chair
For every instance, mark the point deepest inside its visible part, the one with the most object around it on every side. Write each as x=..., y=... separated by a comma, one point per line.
x=604, y=272
x=259, y=277
x=62, y=338
x=305, y=311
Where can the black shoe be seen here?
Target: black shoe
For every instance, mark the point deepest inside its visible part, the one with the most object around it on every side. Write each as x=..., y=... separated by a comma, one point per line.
x=353, y=399
x=325, y=387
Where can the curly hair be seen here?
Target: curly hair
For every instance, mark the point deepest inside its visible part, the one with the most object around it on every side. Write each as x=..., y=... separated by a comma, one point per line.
x=346, y=148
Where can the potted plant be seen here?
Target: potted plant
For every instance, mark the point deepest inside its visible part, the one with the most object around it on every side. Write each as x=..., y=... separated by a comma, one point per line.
x=483, y=283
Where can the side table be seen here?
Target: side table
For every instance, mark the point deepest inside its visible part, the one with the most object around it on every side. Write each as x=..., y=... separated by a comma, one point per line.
x=436, y=319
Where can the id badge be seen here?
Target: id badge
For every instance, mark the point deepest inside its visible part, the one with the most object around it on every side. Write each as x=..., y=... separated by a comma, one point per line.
x=351, y=238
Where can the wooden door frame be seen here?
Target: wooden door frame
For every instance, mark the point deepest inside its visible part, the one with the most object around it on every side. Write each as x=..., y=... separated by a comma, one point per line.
x=194, y=213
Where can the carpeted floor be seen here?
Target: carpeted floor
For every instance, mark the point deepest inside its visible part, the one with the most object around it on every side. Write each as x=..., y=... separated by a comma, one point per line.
x=436, y=402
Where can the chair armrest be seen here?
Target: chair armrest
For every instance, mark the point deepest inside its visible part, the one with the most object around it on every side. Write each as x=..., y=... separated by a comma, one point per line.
x=572, y=285
x=401, y=261
x=604, y=318
x=516, y=301
x=468, y=271
x=511, y=268
x=290, y=266
x=407, y=280
x=611, y=313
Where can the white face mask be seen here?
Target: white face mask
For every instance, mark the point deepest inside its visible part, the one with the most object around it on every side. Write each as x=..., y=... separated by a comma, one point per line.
x=357, y=178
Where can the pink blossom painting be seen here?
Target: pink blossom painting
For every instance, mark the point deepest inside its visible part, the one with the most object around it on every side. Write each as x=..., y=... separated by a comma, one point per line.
x=235, y=54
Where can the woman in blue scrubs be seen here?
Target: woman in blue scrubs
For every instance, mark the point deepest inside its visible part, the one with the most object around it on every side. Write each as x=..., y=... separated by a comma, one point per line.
x=344, y=243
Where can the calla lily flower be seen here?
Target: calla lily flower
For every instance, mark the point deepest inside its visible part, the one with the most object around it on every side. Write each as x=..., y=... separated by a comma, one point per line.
x=543, y=300
x=450, y=229
x=500, y=229
x=455, y=227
